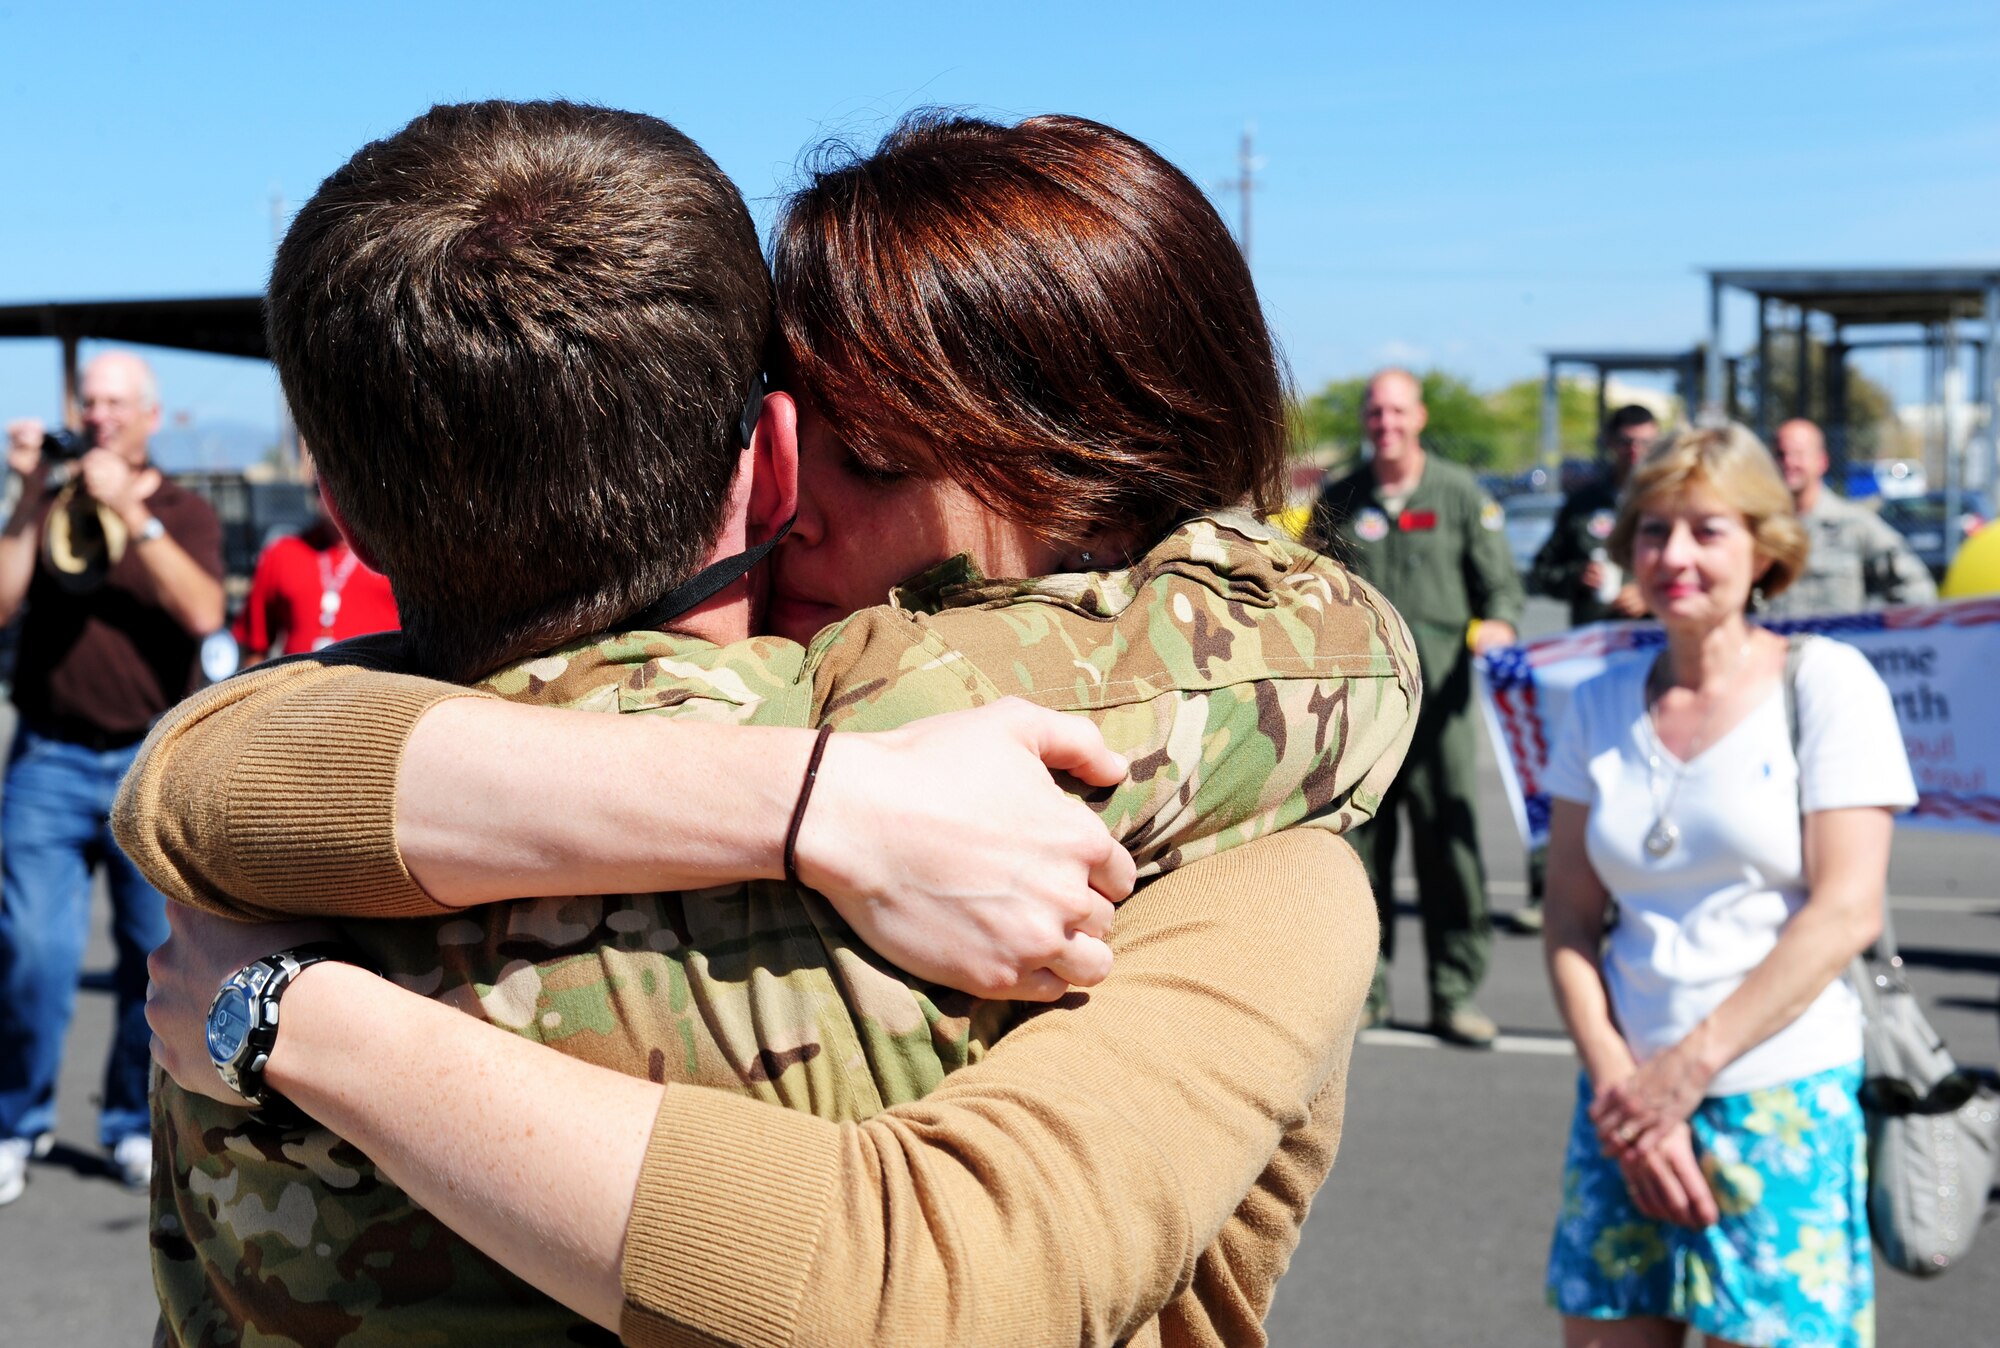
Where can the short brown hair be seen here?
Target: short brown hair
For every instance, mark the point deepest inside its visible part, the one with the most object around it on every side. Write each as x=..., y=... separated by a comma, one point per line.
x=1734, y=464
x=518, y=337
x=1050, y=314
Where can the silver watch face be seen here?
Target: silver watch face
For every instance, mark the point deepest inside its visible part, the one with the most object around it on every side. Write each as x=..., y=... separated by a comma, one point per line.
x=228, y=1024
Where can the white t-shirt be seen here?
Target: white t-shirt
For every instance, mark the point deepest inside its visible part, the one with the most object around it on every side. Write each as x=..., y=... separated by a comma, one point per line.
x=1691, y=925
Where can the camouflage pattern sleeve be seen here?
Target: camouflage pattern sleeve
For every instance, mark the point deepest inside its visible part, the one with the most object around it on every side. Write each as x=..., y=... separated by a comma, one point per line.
x=1252, y=683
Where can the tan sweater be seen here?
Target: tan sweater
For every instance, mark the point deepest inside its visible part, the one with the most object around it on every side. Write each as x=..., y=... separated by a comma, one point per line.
x=1133, y=1167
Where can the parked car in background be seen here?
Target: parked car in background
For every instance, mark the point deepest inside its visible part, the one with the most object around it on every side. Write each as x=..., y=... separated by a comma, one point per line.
x=1920, y=520
x=1531, y=518
x=1890, y=479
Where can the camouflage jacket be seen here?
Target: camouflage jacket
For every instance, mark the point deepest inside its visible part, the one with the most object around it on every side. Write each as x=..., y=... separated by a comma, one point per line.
x=1253, y=685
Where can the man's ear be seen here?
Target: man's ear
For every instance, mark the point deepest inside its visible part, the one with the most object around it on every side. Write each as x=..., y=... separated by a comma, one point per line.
x=333, y=513
x=774, y=467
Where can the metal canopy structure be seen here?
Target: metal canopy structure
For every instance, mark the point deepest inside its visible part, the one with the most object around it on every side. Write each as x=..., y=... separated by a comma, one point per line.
x=230, y=325
x=1857, y=296
x=1684, y=366
x=1949, y=313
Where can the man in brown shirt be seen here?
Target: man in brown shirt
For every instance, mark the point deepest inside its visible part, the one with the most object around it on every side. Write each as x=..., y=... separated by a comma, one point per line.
x=121, y=574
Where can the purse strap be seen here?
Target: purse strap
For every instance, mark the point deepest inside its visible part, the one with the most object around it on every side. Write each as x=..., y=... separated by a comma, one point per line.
x=1884, y=949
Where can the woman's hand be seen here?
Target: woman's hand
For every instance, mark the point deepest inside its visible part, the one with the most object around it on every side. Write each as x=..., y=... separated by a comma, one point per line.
x=199, y=953
x=949, y=848
x=1666, y=1182
x=1636, y=1112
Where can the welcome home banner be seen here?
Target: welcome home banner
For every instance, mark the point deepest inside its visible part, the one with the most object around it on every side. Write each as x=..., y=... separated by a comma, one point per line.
x=1941, y=662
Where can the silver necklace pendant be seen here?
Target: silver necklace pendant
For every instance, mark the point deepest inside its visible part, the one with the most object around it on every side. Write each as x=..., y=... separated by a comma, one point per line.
x=1662, y=838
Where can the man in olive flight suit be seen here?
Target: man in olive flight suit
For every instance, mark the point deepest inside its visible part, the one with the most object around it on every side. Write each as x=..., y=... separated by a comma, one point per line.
x=1421, y=530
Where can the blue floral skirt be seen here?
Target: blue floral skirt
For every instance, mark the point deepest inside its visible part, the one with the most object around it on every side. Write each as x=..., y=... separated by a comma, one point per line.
x=1788, y=1263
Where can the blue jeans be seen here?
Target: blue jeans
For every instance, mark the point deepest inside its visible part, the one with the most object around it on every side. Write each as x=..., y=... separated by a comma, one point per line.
x=54, y=828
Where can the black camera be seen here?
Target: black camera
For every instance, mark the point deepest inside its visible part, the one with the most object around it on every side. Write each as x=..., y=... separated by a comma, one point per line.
x=64, y=445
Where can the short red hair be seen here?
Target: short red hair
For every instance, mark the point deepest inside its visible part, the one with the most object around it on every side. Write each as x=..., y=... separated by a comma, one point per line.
x=1050, y=314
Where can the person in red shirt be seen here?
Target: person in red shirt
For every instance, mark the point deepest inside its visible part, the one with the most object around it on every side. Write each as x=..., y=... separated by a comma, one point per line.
x=309, y=591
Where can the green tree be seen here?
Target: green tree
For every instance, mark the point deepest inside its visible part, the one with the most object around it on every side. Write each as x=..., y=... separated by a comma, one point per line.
x=1462, y=424
x=1518, y=409
x=1500, y=431
x=1330, y=419
x=1871, y=412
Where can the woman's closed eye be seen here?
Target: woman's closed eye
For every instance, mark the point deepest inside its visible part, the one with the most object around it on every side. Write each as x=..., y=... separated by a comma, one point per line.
x=875, y=474
x=1705, y=528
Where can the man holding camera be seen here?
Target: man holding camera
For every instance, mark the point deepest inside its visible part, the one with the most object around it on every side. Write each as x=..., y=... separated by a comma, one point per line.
x=121, y=572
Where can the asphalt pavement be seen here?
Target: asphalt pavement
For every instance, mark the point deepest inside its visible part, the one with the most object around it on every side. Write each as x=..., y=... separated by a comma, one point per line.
x=1432, y=1231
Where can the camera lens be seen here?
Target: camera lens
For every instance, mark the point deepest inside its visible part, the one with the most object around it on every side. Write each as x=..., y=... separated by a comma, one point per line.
x=65, y=444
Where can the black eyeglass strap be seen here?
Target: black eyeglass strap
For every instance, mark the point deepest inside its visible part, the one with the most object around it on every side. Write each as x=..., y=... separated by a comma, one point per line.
x=712, y=579
x=703, y=585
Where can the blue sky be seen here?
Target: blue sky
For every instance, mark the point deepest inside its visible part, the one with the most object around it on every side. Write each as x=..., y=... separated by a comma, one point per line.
x=1460, y=184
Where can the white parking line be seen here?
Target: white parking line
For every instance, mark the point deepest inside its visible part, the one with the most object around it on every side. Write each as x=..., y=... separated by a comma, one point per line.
x=1506, y=1043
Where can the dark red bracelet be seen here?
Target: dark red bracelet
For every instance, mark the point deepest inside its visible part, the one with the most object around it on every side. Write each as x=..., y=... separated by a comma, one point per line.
x=799, y=810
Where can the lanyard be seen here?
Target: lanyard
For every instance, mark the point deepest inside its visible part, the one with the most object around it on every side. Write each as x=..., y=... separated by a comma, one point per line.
x=331, y=583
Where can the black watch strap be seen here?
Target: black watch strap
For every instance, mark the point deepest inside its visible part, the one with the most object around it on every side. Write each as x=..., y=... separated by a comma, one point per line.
x=264, y=982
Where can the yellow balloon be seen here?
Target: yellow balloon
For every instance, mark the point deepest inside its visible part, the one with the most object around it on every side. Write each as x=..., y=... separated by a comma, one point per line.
x=1294, y=519
x=1976, y=569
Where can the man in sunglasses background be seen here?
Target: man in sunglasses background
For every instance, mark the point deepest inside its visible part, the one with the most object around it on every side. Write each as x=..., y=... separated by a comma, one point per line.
x=1572, y=565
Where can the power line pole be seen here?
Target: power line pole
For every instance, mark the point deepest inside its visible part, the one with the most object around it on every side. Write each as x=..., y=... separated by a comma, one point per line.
x=1244, y=183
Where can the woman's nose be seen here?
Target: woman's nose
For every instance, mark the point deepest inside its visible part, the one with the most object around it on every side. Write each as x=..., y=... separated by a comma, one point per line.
x=1680, y=545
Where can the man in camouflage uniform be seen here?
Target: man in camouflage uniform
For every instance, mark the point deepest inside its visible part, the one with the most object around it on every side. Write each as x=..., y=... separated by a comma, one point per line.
x=1571, y=564
x=1252, y=685
x=1857, y=562
x=1421, y=529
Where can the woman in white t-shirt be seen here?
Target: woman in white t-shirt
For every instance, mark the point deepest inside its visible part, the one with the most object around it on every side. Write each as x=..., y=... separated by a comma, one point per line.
x=1707, y=887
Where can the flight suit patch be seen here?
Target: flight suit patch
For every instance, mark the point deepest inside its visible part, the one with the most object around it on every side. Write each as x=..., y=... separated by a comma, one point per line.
x=1491, y=517
x=1601, y=523
x=1371, y=525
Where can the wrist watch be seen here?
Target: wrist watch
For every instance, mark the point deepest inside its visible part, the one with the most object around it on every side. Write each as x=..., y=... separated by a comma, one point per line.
x=243, y=1018
x=153, y=528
